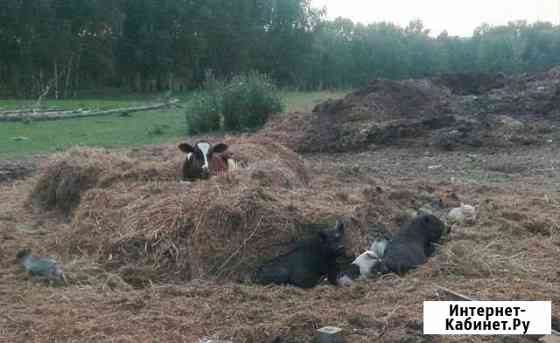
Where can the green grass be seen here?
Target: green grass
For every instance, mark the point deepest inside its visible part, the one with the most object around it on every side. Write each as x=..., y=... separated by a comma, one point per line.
x=152, y=127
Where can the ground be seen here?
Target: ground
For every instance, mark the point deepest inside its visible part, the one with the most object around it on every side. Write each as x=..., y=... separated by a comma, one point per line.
x=509, y=254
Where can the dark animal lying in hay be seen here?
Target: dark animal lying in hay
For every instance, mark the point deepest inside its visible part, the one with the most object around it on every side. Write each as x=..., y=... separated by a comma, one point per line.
x=203, y=159
x=308, y=263
x=412, y=245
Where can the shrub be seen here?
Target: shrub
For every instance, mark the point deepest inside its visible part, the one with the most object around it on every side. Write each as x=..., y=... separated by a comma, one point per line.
x=204, y=112
x=248, y=100
x=243, y=102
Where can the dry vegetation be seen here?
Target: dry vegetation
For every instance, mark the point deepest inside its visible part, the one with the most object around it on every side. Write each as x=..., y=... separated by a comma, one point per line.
x=149, y=259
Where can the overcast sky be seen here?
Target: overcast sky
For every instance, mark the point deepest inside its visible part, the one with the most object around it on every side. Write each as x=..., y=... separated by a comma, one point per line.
x=458, y=17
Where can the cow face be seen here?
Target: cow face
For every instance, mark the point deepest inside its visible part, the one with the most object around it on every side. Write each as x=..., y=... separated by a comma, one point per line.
x=196, y=165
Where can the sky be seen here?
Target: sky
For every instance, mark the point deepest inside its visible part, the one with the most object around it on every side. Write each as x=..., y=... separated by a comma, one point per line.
x=458, y=17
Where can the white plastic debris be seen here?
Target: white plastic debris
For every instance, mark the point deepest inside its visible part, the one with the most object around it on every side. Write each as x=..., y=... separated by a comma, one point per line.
x=330, y=334
x=365, y=262
x=211, y=340
x=466, y=214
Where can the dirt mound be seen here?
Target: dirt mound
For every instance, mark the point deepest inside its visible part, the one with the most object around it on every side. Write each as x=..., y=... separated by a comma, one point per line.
x=471, y=83
x=388, y=99
x=443, y=112
x=367, y=116
x=529, y=95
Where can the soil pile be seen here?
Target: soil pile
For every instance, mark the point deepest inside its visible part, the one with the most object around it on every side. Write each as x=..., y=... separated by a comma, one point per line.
x=450, y=112
x=471, y=83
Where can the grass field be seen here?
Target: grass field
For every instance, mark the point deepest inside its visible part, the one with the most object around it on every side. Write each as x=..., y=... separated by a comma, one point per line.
x=152, y=127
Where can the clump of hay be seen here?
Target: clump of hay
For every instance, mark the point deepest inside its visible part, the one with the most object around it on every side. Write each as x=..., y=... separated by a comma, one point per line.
x=273, y=162
x=67, y=175
x=208, y=230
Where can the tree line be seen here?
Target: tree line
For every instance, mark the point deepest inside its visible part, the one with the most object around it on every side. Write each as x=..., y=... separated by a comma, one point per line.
x=59, y=48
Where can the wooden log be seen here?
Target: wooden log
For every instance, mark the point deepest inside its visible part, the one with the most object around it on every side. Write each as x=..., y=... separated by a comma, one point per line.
x=46, y=115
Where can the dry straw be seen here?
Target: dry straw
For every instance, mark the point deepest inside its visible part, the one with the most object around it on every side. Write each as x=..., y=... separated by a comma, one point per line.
x=134, y=218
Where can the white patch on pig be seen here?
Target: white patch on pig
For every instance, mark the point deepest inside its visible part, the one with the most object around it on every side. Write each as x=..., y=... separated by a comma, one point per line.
x=365, y=262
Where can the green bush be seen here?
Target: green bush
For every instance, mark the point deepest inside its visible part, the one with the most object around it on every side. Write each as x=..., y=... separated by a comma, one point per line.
x=244, y=102
x=248, y=101
x=204, y=112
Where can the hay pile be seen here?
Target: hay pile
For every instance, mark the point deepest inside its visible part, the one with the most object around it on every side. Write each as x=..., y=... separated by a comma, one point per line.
x=11, y=170
x=130, y=215
x=272, y=164
x=209, y=230
x=442, y=112
x=65, y=176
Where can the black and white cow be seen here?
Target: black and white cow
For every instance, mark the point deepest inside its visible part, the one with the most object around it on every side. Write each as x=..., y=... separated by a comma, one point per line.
x=203, y=159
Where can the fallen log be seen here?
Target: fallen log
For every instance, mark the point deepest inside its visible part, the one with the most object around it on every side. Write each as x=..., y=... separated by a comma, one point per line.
x=68, y=114
x=29, y=110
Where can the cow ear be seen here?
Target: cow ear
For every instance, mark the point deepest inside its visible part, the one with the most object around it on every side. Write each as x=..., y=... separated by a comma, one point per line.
x=186, y=148
x=339, y=226
x=219, y=148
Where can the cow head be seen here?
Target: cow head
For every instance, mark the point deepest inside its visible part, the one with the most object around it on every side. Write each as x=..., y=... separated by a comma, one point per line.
x=197, y=163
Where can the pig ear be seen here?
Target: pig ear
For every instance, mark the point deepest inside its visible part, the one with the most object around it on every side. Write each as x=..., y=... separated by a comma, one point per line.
x=186, y=148
x=339, y=226
x=371, y=254
x=219, y=148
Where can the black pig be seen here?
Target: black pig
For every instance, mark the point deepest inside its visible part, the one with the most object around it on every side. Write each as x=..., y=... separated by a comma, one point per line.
x=308, y=263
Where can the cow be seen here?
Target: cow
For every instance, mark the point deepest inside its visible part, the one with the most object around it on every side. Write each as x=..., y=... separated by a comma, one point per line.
x=204, y=159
